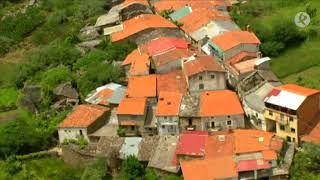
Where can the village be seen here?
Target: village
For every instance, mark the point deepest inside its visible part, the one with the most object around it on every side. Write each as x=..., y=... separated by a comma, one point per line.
x=199, y=98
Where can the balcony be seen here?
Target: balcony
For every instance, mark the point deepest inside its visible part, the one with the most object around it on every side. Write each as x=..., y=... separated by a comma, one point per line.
x=282, y=120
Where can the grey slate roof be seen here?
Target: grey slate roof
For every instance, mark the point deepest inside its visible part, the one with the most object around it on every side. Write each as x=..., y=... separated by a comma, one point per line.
x=118, y=95
x=255, y=99
x=130, y=147
x=189, y=106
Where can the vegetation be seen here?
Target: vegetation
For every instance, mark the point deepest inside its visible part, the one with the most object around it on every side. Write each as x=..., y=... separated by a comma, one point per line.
x=96, y=170
x=306, y=163
x=295, y=50
x=81, y=142
x=8, y=98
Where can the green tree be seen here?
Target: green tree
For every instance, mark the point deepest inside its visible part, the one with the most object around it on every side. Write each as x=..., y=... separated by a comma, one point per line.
x=306, y=163
x=132, y=168
x=96, y=170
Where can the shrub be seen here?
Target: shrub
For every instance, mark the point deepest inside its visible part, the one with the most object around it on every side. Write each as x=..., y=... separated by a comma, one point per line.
x=96, y=170
x=272, y=48
x=121, y=132
x=132, y=168
x=6, y=44
x=8, y=97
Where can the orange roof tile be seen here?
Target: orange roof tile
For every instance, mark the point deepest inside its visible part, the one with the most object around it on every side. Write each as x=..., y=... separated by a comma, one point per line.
x=135, y=54
x=217, y=168
x=129, y=2
x=195, y=4
x=142, y=86
x=202, y=64
x=231, y=39
x=171, y=56
x=132, y=106
x=172, y=82
x=83, y=116
x=219, y=103
x=104, y=95
x=199, y=18
x=140, y=65
x=269, y=155
x=293, y=88
x=247, y=141
x=242, y=56
x=168, y=103
x=140, y=23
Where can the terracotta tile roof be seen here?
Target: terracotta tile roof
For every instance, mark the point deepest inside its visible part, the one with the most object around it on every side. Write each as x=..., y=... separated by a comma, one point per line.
x=293, y=88
x=128, y=123
x=140, y=23
x=142, y=86
x=269, y=155
x=199, y=18
x=242, y=56
x=140, y=65
x=194, y=4
x=83, y=116
x=231, y=39
x=202, y=64
x=247, y=141
x=172, y=82
x=168, y=103
x=129, y=2
x=250, y=165
x=135, y=54
x=173, y=55
x=192, y=143
x=132, y=106
x=217, y=168
x=219, y=103
x=163, y=44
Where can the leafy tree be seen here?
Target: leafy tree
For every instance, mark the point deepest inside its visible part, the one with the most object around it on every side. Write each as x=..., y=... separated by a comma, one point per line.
x=97, y=170
x=306, y=163
x=18, y=137
x=272, y=48
x=132, y=168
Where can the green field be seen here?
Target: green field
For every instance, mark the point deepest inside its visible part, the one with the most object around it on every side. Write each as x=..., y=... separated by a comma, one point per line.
x=297, y=64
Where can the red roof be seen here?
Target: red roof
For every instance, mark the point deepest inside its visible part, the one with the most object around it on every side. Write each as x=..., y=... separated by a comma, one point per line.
x=219, y=103
x=242, y=56
x=140, y=23
x=192, y=143
x=83, y=116
x=132, y=106
x=168, y=103
x=172, y=82
x=250, y=165
x=232, y=39
x=201, y=17
x=202, y=64
x=171, y=56
x=135, y=54
x=164, y=44
x=142, y=86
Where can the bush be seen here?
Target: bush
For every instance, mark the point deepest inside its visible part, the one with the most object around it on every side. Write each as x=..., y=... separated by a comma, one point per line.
x=150, y=175
x=96, y=170
x=8, y=97
x=121, y=132
x=131, y=168
x=6, y=44
x=272, y=48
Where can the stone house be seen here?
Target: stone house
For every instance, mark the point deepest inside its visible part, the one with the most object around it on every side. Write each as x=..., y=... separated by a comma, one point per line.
x=220, y=110
x=189, y=113
x=204, y=73
x=167, y=113
x=231, y=43
x=84, y=120
x=131, y=115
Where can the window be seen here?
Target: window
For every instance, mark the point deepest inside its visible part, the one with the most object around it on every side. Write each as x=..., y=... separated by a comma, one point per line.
x=163, y=126
x=288, y=138
x=212, y=76
x=213, y=124
x=228, y=116
x=291, y=118
x=165, y=117
x=270, y=113
x=229, y=123
x=293, y=130
x=293, y=139
x=171, y=129
x=190, y=122
x=132, y=128
x=201, y=86
x=200, y=77
x=282, y=127
x=81, y=134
